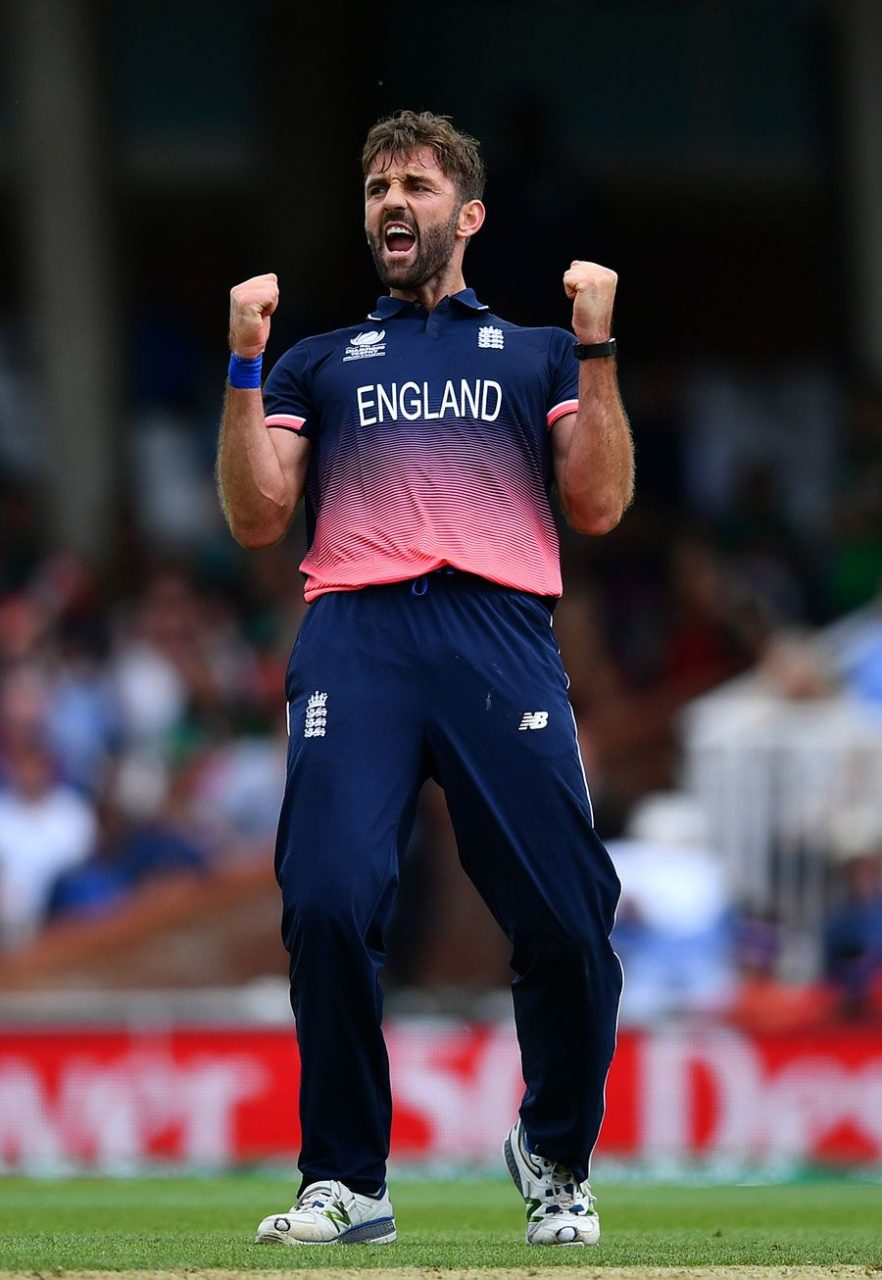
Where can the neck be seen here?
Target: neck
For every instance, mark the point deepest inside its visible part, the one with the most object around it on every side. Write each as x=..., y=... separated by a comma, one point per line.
x=428, y=295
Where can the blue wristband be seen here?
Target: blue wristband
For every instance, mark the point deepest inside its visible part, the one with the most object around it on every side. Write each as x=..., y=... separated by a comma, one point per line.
x=244, y=372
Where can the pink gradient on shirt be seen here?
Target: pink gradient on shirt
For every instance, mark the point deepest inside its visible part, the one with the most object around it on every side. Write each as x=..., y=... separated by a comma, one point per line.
x=481, y=509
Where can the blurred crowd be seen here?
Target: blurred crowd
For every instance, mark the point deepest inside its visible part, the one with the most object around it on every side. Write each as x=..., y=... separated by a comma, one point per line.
x=142, y=717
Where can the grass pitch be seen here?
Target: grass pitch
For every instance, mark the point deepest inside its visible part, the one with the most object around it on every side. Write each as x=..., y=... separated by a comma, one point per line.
x=195, y=1224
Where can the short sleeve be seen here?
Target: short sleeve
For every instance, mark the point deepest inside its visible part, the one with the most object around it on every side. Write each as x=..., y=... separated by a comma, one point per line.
x=563, y=386
x=286, y=398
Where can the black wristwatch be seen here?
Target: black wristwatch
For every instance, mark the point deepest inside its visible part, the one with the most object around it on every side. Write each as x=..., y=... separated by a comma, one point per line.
x=594, y=350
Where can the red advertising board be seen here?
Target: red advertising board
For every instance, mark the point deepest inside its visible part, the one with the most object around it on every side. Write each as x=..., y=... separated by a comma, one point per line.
x=213, y=1097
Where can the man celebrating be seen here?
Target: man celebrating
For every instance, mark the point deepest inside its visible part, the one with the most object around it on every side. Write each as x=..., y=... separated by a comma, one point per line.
x=426, y=439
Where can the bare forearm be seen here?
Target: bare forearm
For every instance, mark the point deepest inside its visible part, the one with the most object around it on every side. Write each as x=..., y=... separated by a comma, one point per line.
x=593, y=452
x=254, y=491
x=260, y=473
x=596, y=478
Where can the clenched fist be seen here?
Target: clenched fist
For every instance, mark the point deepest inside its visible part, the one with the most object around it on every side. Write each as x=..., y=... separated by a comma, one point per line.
x=251, y=305
x=593, y=290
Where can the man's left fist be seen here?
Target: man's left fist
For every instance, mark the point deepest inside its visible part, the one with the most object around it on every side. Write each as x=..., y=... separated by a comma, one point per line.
x=593, y=290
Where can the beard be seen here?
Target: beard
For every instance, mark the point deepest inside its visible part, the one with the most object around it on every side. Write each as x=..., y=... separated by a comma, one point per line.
x=435, y=248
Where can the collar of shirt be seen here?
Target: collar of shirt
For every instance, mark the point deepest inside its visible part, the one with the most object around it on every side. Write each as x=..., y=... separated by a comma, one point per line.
x=387, y=306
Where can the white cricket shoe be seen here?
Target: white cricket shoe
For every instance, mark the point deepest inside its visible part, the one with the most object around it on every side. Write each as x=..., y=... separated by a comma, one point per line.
x=559, y=1210
x=329, y=1213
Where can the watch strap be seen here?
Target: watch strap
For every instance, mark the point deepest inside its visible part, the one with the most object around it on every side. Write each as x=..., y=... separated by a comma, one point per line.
x=594, y=350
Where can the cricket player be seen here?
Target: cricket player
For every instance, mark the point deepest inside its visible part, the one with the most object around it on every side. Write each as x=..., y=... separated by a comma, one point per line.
x=426, y=438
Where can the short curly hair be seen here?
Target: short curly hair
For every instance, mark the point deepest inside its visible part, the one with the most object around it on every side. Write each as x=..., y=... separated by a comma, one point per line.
x=458, y=154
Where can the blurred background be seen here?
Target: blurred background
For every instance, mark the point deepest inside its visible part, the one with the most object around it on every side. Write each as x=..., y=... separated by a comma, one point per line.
x=724, y=645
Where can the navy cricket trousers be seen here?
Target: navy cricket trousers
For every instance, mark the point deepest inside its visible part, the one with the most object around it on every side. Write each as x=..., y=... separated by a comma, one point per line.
x=453, y=677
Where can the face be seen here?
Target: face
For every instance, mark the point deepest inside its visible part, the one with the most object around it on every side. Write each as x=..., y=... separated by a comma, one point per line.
x=30, y=772
x=412, y=215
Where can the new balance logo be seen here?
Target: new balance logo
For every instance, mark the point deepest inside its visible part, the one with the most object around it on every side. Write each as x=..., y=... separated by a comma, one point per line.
x=489, y=337
x=316, y=715
x=533, y=720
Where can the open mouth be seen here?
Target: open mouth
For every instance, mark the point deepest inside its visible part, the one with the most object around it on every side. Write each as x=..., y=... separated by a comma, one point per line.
x=399, y=239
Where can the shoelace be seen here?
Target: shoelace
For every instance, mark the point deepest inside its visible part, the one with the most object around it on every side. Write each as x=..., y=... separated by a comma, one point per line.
x=320, y=1196
x=565, y=1188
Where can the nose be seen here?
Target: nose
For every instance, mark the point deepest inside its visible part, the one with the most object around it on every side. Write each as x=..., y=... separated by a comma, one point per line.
x=394, y=197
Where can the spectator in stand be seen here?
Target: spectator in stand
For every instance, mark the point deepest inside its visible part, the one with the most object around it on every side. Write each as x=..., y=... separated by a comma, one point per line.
x=45, y=827
x=144, y=836
x=718, y=628
x=235, y=789
x=860, y=662
x=762, y=1001
x=853, y=929
x=181, y=665
x=673, y=927
x=762, y=547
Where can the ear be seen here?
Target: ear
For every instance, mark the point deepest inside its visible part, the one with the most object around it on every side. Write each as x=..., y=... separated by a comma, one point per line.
x=471, y=219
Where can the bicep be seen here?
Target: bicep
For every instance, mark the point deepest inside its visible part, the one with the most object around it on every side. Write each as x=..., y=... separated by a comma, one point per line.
x=292, y=450
x=561, y=440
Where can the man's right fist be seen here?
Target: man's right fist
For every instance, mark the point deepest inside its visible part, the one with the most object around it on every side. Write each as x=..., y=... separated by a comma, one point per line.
x=251, y=305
